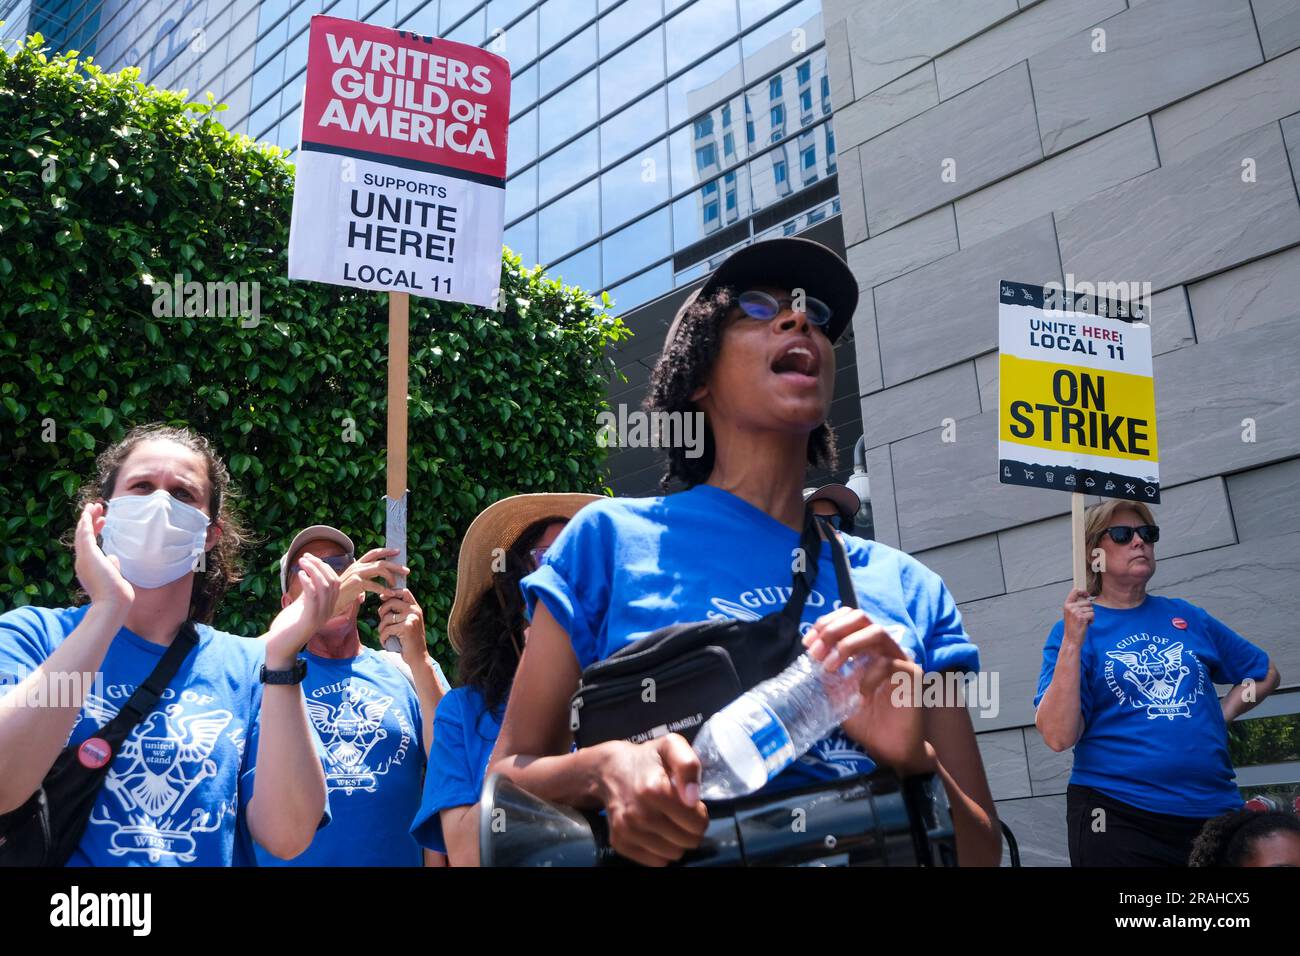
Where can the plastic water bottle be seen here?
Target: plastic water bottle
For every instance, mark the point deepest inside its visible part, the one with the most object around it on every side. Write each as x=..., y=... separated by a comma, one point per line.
x=766, y=729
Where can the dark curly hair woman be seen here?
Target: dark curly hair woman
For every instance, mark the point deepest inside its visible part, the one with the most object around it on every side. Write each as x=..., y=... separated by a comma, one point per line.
x=1248, y=838
x=751, y=355
x=488, y=629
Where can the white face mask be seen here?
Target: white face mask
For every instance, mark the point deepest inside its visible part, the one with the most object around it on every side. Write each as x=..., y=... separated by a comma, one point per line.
x=154, y=537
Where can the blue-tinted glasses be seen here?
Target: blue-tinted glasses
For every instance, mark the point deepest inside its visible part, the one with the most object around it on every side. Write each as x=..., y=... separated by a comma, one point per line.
x=765, y=307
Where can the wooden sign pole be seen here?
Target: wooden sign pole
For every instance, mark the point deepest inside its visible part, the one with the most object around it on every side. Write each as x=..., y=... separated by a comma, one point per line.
x=1078, y=540
x=399, y=311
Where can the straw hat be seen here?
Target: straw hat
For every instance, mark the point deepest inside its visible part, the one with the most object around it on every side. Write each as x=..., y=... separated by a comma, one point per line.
x=499, y=526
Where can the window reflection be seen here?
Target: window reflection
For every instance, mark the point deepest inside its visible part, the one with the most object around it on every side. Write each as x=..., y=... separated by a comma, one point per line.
x=521, y=194
x=636, y=246
x=568, y=166
x=521, y=147
x=631, y=72
x=569, y=222
x=626, y=22
x=697, y=29
x=704, y=85
x=566, y=62
x=635, y=185
x=582, y=269
x=559, y=18
x=571, y=109
x=641, y=122
x=648, y=285
x=522, y=238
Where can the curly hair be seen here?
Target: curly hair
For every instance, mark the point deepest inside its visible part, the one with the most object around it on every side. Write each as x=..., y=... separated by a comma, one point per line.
x=494, y=636
x=1226, y=840
x=222, y=567
x=684, y=366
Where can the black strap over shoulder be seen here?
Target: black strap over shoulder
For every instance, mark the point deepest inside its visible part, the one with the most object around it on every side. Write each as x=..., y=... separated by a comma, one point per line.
x=672, y=680
x=46, y=830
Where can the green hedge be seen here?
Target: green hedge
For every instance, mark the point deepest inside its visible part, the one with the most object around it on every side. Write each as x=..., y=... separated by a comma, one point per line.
x=108, y=183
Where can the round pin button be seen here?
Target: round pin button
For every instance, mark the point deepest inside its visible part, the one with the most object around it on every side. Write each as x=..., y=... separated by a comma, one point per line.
x=1179, y=623
x=94, y=753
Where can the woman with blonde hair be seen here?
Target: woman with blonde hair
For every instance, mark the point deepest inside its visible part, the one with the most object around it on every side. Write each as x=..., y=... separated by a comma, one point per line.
x=1128, y=681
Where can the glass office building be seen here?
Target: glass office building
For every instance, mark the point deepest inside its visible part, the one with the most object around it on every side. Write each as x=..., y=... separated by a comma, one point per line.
x=647, y=136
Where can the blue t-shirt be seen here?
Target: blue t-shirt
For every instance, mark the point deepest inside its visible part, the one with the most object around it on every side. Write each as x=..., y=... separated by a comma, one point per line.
x=625, y=567
x=367, y=717
x=1153, y=730
x=178, y=789
x=464, y=733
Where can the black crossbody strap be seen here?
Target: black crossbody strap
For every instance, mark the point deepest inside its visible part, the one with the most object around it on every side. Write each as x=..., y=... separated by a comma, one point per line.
x=149, y=693
x=805, y=576
x=840, y=558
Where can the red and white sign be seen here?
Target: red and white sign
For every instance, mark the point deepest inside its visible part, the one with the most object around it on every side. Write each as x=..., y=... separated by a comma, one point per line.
x=402, y=163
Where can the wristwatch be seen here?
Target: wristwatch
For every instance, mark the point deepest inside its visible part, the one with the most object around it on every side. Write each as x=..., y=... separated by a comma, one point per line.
x=293, y=675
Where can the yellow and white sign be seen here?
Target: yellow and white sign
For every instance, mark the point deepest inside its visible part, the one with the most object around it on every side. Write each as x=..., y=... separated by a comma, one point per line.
x=1076, y=397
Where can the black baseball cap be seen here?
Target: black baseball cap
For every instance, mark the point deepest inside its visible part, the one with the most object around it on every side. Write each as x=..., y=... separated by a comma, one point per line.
x=789, y=263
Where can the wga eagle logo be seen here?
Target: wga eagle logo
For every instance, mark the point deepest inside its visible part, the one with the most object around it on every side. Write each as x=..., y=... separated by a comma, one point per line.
x=166, y=758
x=349, y=732
x=1159, y=676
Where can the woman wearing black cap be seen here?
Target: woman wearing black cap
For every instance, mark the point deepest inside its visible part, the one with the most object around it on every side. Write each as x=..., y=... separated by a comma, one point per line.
x=753, y=352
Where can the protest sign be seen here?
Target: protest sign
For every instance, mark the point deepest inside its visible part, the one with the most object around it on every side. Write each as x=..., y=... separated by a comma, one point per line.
x=401, y=168
x=400, y=187
x=1076, y=396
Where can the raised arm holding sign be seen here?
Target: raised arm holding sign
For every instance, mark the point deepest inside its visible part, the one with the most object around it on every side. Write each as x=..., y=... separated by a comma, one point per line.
x=400, y=187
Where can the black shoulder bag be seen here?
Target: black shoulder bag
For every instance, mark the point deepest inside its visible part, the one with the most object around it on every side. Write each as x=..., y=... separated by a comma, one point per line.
x=46, y=830
x=676, y=678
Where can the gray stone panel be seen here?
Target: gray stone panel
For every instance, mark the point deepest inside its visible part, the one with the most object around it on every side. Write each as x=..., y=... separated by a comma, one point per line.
x=1011, y=630
x=1038, y=824
x=867, y=346
x=1266, y=501
x=1245, y=102
x=1203, y=395
x=904, y=248
x=1059, y=182
x=1171, y=321
x=920, y=404
x=1049, y=771
x=838, y=63
x=950, y=491
x=946, y=312
x=971, y=569
x=888, y=106
x=1255, y=294
x=1192, y=517
x=986, y=374
x=1188, y=220
x=1279, y=25
x=1291, y=133
x=883, y=508
x=853, y=208
x=1005, y=764
x=1013, y=40
x=987, y=132
x=1157, y=52
x=888, y=38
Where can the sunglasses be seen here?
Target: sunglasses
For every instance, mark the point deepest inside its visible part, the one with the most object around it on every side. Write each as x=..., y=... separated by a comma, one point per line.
x=765, y=307
x=536, y=555
x=338, y=563
x=1123, y=534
